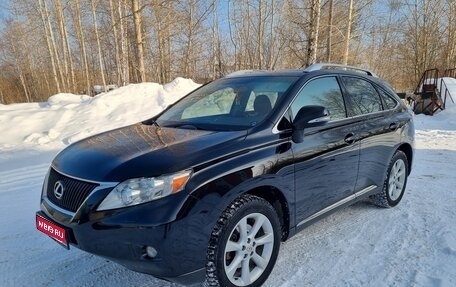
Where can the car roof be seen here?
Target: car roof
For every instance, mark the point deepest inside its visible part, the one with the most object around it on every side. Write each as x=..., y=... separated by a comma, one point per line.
x=313, y=70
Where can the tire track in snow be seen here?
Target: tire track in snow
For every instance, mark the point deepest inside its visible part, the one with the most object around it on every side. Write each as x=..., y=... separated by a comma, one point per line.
x=18, y=174
x=306, y=259
x=17, y=179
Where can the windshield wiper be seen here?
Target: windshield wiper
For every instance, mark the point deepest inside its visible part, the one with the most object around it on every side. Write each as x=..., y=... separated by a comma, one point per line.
x=186, y=126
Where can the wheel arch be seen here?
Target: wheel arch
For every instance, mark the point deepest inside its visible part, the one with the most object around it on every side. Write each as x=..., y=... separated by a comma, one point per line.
x=408, y=150
x=278, y=201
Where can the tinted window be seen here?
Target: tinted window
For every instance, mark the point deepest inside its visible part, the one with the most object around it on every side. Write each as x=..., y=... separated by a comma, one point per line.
x=390, y=103
x=323, y=92
x=364, y=96
x=228, y=104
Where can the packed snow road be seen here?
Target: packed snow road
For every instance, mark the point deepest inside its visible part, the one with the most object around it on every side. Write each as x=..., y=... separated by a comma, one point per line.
x=413, y=244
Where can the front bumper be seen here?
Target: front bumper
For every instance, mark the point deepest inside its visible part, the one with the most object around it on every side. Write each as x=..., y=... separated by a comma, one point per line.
x=178, y=227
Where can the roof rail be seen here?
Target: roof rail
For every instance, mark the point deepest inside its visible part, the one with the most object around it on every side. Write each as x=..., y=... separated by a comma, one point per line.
x=242, y=72
x=328, y=66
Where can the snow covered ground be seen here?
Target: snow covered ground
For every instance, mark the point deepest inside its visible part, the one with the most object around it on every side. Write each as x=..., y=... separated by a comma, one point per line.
x=413, y=244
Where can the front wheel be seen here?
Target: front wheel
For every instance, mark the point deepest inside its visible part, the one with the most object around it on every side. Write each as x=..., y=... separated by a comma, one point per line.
x=395, y=182
x=244, y=244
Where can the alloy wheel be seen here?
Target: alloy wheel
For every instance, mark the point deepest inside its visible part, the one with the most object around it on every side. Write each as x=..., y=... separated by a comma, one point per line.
x=396, y=179
x=248, y=249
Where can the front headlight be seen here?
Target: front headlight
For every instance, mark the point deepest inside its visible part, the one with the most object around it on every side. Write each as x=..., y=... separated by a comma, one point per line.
x=140, y=190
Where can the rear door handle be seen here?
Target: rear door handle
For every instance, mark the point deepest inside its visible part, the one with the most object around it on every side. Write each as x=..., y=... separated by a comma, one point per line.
x=350, y=138
x=393, y=126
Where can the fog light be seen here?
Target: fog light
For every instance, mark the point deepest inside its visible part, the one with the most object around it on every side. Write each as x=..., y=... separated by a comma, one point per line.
x=151, y=252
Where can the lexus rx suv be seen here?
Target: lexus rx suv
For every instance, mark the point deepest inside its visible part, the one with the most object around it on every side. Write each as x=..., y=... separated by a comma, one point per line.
x=209, y=188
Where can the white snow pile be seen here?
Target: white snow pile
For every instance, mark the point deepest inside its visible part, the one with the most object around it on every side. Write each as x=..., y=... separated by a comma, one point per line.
x=66, y=118
x=412, y=244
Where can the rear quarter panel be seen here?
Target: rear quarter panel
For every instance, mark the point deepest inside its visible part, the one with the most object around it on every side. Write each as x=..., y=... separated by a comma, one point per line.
x=379, y=143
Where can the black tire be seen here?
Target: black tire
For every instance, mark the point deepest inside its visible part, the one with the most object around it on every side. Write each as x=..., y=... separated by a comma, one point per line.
x=228, y=227
x=387, y=198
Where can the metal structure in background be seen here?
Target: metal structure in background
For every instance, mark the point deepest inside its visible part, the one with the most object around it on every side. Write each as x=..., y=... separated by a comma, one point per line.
x=428, y=100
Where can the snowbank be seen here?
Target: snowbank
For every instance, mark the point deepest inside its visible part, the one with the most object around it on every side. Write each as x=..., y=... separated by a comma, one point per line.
x=66, y=118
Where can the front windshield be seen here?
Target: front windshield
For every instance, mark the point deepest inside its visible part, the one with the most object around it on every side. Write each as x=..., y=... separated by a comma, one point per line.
x=228, y=104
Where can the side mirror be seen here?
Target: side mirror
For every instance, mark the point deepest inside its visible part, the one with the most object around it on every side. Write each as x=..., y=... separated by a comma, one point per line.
x=308, y=116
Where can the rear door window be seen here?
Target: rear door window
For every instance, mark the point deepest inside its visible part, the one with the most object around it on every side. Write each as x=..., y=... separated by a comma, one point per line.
x=390, y=103
x=365, y=98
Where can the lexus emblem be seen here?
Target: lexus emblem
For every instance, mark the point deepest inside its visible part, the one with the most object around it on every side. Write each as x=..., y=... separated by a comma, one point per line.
x=58, y=189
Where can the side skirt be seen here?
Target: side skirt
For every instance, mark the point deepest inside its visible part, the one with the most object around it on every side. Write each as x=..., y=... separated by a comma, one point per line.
x=344, y=202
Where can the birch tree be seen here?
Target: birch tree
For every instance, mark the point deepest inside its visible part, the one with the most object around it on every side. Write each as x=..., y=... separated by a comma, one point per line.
x=330, y=29
x=97, y=35
x=11, y=36
x=124, y=67
x=49, y=41
x=139, y=39
x=216, y=60
x=115, y=25
x=348, y=33
x=312, y=45
x=82, y=43
x=65, y=46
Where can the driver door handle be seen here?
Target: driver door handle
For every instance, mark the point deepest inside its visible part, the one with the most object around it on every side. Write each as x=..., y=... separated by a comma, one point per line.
x=393, y=126
x=350, y=138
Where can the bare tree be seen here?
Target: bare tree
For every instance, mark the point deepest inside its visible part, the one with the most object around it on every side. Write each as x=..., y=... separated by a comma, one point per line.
x=10, y=35
x=216, y=47
x=124, y=67
x=450, y=61
x=312, y=45
x=330, y=29
x=348, y=32
x=82, y=43
x=65, y=45
x=100, y=53
x=139, y=39
x=421, y=50
x=164, y=16
x=49, y=41
x=115, y=25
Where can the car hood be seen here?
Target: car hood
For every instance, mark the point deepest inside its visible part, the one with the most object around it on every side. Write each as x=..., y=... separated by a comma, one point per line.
x=141, y=151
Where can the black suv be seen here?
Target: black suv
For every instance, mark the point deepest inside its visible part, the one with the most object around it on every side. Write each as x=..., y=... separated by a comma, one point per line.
x=209, y=188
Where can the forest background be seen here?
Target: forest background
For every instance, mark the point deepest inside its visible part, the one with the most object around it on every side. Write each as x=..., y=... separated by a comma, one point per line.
x=53, y=46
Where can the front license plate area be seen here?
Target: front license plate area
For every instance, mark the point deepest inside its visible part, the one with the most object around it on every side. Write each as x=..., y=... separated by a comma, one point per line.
x=52, y=230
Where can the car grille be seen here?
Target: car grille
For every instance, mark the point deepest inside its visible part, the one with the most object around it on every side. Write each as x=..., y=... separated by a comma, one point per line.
x=74, y=191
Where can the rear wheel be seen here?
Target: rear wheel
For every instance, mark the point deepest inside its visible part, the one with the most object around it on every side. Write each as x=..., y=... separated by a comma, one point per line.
x=244, y=244
x=395, y=182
